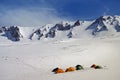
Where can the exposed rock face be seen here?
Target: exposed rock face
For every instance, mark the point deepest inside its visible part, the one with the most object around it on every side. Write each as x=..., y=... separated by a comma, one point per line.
x=3, y=29
x=12, y=33
x=51, y=34
x=77, y=23
x=63, y=28
x=70, y=34
x=37, y=32
x=117, y=27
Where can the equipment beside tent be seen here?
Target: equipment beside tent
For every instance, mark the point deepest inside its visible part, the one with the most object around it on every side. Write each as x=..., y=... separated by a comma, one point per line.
x=96, y=66
x=79, y=67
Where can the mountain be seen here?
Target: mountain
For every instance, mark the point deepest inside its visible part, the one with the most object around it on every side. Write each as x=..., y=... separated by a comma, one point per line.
x=12, y=33
x=102, y=26
x=98, y=26
x=103, y=23
x=49, y=31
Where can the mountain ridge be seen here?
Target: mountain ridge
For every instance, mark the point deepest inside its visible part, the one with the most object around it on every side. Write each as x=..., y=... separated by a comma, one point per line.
x=109, y=25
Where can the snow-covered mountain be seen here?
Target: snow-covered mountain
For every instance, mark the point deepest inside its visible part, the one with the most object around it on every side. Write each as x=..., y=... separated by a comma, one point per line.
x=52, y=31
x=104, y=23
x=102, y=26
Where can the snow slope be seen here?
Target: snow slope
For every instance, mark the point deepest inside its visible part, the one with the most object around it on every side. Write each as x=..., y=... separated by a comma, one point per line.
x=35, y=60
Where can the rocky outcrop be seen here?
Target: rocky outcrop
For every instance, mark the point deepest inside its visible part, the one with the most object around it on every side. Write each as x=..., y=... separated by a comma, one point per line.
x=12, y=33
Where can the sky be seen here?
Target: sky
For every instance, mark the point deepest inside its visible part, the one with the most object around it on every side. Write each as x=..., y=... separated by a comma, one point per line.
x=41, y=12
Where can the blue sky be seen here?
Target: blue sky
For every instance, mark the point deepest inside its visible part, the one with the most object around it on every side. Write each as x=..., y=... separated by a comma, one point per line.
x=24, y=12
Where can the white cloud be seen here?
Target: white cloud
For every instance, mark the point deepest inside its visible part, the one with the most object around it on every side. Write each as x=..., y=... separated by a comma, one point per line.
x=29, y=17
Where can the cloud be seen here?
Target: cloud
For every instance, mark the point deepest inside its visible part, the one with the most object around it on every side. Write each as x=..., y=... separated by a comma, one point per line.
x=28, y=13
x=29, y=17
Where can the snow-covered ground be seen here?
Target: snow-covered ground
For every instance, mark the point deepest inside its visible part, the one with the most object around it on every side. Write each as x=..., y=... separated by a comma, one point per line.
x=34, y=60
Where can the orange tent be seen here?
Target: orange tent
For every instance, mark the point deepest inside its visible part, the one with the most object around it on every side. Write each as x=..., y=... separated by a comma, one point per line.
x=70, y=69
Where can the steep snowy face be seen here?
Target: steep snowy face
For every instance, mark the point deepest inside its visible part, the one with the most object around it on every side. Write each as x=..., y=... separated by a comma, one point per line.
x=52, y=31
x=98, y=26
